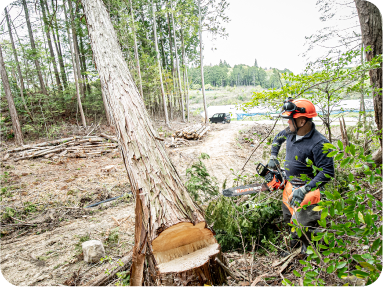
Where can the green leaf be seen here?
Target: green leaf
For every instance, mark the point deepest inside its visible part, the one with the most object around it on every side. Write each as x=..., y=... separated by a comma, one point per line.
x=352, y=149
x=350, y=177
x=330, y=269
x=379, y=253
x=318, y=208
x=372, y=178
x=359, y=274
x=344, y=162
x=341, y=264
x=360, y=216
x=367, y=266
x=340, y=144
x=339, y=156
x=296, y=273
x=332, y=154
x=376, y=244
x=368, y=219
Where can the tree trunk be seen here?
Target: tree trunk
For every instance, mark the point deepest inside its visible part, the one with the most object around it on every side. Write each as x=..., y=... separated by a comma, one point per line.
x=201, y=61
x=185, y=75
x=371, y=26
x=75, y=71
x=76, y=50
x=11, y=105
x=84, y=68
x=105, y=101
x=136, y=49
x=32, y=40
x=22, y=87
x=169, y=226
x=178, y=70
x=52, y=54
x=56, y=39
x=159, y=68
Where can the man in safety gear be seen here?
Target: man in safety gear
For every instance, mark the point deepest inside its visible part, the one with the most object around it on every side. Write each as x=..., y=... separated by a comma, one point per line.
x=303, y=143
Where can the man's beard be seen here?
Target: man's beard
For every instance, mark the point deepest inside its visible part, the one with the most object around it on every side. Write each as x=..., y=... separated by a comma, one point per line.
x=289, y=132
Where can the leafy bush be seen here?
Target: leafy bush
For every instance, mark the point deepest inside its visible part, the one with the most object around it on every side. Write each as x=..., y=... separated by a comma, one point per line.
x=251, y=219
x=200, y=183
x=349, y=242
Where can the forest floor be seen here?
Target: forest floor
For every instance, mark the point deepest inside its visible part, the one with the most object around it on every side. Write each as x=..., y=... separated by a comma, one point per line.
x=43, y=245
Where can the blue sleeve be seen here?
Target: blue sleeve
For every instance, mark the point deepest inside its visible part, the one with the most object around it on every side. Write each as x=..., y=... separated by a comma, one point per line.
x=322, y=161
x=279, y=139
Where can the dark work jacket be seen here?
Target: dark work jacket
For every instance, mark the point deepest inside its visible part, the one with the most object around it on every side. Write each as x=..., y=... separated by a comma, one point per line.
x=311, y=147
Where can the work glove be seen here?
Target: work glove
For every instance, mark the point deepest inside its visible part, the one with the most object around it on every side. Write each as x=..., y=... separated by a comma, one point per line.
x=298, y=195
x=273, y=162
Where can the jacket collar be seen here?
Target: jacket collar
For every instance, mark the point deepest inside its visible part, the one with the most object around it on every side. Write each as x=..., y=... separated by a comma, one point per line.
x=308, y=135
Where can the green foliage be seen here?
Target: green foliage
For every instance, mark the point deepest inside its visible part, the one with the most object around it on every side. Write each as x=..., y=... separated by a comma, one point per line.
x=251, y=218
x=350, y=220
x=200, y=184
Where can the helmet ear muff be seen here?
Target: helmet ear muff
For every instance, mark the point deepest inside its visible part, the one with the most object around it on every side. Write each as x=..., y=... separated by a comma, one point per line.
x=301, y=110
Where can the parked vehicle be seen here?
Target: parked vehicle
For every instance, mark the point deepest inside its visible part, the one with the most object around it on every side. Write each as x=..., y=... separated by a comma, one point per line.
x=220, y=118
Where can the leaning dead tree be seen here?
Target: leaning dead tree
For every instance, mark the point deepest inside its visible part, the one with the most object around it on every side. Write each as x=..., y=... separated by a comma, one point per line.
x=173, y=245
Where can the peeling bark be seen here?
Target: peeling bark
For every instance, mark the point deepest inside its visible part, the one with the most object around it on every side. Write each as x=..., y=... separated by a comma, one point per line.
x=171, y=236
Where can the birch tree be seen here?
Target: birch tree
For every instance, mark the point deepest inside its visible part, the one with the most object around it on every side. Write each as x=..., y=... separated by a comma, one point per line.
x=172, y=242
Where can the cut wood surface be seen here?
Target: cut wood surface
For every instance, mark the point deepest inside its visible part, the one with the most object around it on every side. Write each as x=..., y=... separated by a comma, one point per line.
x=68, y=147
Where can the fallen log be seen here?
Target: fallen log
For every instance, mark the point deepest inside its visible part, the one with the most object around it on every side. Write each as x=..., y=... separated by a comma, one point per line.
x=111, y=138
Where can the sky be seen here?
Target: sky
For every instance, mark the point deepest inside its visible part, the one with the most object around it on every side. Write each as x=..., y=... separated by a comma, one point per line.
x=272, y=31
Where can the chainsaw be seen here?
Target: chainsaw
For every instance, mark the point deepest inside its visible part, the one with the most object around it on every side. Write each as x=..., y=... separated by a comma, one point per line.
x=274, y=179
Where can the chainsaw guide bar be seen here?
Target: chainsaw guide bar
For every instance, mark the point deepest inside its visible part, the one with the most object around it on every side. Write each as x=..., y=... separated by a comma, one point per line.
x=242, y=190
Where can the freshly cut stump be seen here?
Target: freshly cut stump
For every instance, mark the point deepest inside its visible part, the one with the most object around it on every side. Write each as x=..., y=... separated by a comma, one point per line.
x=183, y=247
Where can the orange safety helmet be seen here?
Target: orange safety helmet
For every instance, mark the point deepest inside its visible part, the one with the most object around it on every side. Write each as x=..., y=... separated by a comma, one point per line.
x=293, y=109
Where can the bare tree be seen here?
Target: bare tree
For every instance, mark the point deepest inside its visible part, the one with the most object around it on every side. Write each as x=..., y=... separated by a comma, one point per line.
x=11, y=105
x=34, y=50
x=178, y=70
x=135, y=48
x=52, y=54
x=159, y=68
x=172, y=241
x=21, y=78
x=75, y=72
x=211, y=15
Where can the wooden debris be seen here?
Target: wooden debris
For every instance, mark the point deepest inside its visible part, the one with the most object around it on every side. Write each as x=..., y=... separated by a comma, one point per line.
x=67, y=147
x=192, y=132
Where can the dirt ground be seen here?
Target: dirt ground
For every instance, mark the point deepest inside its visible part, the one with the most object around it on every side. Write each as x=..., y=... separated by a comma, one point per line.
x=42, y=246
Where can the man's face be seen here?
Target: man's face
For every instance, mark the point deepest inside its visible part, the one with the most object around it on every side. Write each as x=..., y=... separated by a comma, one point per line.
x=300, y=122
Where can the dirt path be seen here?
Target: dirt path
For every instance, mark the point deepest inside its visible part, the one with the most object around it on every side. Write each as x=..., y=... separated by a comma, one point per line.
x=224, y=150
x=49, y=253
